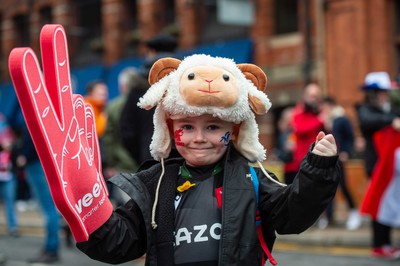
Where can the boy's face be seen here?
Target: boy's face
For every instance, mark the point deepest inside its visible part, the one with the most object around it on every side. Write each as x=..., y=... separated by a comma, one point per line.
x=202, y=140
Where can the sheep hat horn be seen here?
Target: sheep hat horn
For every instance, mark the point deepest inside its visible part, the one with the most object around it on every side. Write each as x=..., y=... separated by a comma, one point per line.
x=201, y=84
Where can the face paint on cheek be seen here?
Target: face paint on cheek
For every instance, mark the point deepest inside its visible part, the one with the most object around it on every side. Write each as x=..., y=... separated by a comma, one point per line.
x=225, y=138
x=177, y=136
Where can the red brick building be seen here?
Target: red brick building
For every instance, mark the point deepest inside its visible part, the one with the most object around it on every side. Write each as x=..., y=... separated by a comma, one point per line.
x=332, y=42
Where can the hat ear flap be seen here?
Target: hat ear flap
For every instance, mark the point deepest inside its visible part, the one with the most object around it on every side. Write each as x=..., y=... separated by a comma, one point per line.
x=160, y=145
x=162, y=67
x=247, y=142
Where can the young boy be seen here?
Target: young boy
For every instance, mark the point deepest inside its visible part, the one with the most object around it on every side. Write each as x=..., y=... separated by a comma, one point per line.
x=199, y=208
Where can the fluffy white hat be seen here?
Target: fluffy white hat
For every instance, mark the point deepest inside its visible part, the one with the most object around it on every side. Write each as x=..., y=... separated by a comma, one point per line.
x=201, y=84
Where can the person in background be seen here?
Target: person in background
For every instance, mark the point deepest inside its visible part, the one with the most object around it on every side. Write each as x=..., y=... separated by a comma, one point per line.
x=7, y=178
x=340, y=126
x=28, y=159
x=375, y=114
x=136, y=124
x=306, y=123
x=97, y=96
x=306, y=120
x=117, y=157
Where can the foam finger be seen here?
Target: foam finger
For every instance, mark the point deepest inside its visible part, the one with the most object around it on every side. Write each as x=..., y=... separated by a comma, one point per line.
x=54, y=49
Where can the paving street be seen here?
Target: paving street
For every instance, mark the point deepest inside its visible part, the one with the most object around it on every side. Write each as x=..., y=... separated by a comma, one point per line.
x=18, y=250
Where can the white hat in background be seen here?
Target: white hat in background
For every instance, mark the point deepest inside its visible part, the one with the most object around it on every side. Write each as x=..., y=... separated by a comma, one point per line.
x=378, y=81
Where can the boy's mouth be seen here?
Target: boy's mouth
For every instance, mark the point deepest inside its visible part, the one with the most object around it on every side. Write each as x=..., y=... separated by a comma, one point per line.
x=199, y=148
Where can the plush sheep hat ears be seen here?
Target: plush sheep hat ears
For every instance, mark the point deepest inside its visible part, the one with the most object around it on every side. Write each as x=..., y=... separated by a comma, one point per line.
x=201, y=84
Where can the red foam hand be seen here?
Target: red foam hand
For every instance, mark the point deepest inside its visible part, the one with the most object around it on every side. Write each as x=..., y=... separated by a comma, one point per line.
x=63, y=130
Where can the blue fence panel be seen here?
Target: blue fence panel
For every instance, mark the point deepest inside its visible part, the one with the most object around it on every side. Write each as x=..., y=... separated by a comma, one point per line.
x=80, y=77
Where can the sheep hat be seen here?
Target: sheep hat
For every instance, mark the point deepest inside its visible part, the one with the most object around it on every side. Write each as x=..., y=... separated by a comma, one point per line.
x=201, y=84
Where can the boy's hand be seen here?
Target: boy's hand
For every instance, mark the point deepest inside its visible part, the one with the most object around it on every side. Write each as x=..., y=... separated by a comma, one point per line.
x=325, y=145
x=63, y=131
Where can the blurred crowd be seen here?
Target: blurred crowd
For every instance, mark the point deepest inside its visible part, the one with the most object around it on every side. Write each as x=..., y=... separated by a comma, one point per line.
x=378, y=117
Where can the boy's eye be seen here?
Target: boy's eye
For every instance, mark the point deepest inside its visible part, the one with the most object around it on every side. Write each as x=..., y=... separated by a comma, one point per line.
x=187, y=127
x=213, y=127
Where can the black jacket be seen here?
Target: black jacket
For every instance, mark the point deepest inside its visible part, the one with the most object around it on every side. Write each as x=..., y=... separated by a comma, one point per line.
x=287, y=210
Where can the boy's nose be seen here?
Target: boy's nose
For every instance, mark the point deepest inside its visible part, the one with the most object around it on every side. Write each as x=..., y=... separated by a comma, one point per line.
x=199, y=136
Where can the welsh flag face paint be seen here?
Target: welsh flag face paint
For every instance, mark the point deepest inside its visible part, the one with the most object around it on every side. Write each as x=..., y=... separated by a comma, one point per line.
x=177, y=137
